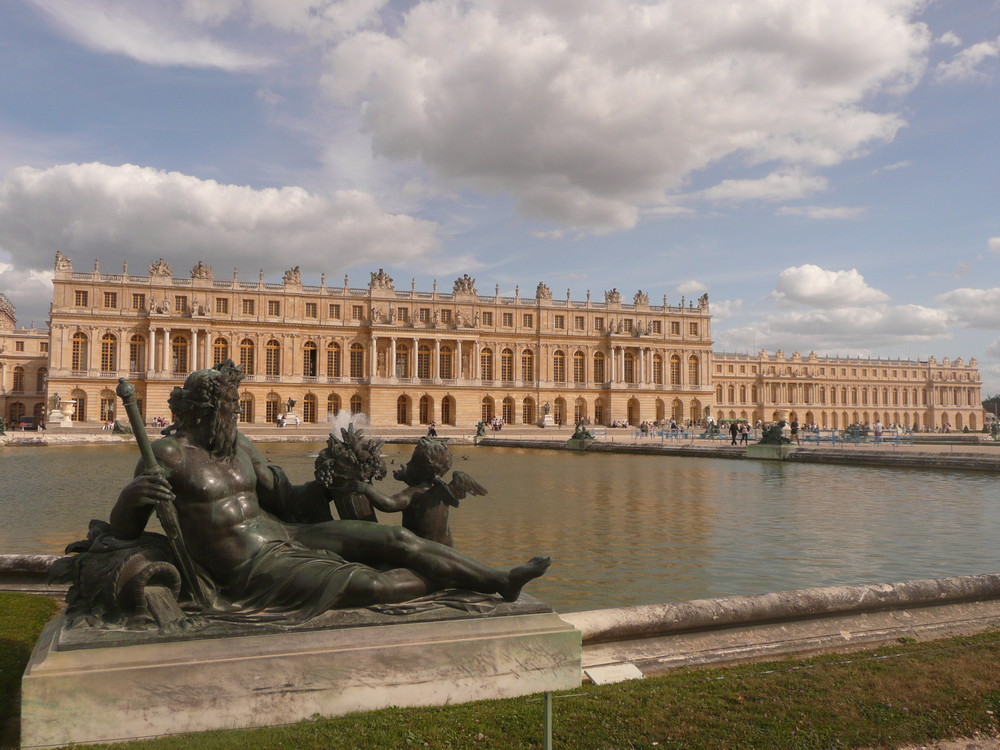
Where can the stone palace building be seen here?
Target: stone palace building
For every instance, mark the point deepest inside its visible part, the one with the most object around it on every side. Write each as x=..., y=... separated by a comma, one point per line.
x=402, y=356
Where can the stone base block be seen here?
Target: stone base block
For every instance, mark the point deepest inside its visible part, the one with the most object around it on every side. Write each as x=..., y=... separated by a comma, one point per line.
x=770, y=452
x=121, y=692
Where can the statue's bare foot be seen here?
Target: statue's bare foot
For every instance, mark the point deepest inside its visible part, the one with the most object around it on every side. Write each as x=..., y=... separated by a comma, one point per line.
x=521, y=574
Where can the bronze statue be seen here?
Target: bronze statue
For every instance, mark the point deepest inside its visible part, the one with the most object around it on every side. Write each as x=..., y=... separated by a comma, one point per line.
x=240, y=523
x=426, y=513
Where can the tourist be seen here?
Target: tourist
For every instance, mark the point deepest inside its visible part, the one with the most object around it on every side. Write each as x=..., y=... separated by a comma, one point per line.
x=744, y=433
x=734, y=430
x=431, y=430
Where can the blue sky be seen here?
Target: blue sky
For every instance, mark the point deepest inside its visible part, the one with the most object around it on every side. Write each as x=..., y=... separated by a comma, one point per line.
x=826, y=170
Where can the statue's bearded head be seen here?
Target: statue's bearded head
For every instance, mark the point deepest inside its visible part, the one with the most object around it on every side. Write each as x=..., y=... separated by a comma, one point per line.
x=207, y=407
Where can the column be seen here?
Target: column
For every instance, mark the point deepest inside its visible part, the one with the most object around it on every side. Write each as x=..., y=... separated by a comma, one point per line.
x=642, y=366
x=151, y=352
x=165, y=351
x=122, y=356
x=194, y=350
x=436, y=364
x=390, y=368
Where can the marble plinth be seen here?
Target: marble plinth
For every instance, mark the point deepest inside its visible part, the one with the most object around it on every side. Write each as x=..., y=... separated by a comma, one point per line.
x=78, y=690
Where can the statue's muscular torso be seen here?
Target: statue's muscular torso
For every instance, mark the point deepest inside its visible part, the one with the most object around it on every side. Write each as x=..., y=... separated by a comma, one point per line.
x=217, y=504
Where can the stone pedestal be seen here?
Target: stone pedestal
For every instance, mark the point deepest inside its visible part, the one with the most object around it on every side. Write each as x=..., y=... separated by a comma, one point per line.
x=770, y=452
x=548, y=421
x=81, y=689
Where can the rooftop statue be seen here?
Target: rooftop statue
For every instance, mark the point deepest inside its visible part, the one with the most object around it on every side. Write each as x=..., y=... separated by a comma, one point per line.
x=464, y=284
x=202, y=271
x=380, y=280
x=160, y=268
x=235, y=532
x=292, y=276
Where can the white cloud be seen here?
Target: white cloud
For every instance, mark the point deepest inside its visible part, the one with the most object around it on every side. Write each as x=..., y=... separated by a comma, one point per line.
x=26, y=288
x=819, y=287
x=723, y=310
x=822, y=212
x=93, y=210
x=965, y=65
x=143, y=32
x=950, y=38
x=994, y=244
x=976, y=308
x=692, y=286
x=777, y=186
x=588, y=112
x=318, y=18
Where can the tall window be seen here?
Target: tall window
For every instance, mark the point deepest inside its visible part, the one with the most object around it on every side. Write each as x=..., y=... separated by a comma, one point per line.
x=630, y=367
x=40, y=378
x=402, y=362
x=426, y=409
x=309, y=408
x=507, y=410
x=333, y=405
x=486, y=364
x=333, y=360
x=507, y=366
x=271, y=406
x=80, y=412
x=675, y=370
x=272, y=358
x=107, y=406
x=559, y=367
x=528, y=411
x=424, y=363
x=246, y=408
x=658, y=369
x=528, y=366
x=357, y=366
x=487, y=409
x=109, y=353
x=310, y=360
x=136, y=353
x=357, y=405
x=248, y=356
x=448, y=410
x=447, y=366
x=220, y=351
x=179, y=355
x=79, y=357
x=402, y=410
x=579, y=367
x=18, y=380
x=599, y=374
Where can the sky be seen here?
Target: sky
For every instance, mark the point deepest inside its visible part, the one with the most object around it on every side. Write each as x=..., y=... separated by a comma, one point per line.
x=826, y=170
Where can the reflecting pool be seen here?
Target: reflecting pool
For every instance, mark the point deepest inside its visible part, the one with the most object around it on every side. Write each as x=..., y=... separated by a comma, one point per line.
x=622, y=530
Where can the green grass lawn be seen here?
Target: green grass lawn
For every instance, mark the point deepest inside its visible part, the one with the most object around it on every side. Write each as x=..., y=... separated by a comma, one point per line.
x=906, y=693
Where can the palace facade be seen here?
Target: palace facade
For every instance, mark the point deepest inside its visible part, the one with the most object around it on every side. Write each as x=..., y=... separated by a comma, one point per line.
x=24, y=356
x=413, y=357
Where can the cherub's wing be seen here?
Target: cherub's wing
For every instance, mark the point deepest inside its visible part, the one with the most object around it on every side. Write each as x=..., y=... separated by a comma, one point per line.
x=463, y=485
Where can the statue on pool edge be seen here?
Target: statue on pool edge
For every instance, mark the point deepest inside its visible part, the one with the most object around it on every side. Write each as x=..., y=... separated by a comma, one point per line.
x=237, y=538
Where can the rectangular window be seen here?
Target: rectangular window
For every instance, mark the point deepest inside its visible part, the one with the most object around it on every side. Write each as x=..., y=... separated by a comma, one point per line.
x=559, y=321
x=138, y=301
x=18, y=346
x=111, y=300
x=487, y=318
x=693, y=329
x=656, y=326
x=598, y=324
x=508, y=320
x=675, y=328
x=180, y=303
x=578, y=322
x=273, y=307
x=248, y=307
x=528, y=320
x=403, y=314
x=222, y=305
x=45, y=347
x=446, y=316
x=311, y=310
x=357, y=312
x=80, y=298
x=627, y=324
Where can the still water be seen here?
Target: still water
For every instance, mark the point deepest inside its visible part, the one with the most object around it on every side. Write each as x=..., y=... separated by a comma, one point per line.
x=622, y=530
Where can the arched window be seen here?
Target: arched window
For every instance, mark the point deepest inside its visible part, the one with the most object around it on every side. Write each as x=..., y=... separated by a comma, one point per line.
x=559, y=411
x=753, y=394
x=599, y=411
x=559, y=367
x=600, y=376
x=448, y=410
x=137, y=353
x=743, y=394
x=579, y=410
x=657, y=369
x=528, y=366
x=446, y=365
x=332, y=405
x=718, y=393
x=528, y=411
x=731, y=392
x=272, y=358
x=18, y=380
x=109, y=353
x=486, y=364
x=402, y=410
x=402, y=361
x=424, y=363
x=333, y=360
x=79, y=357
x=220, y=351
x=246, y=408
x=507, y=365
x=309, y=408
x=426, y=409
x=248, y=356
x=310, y=360
x=507, y=410
x=357, y=405
x=487, y=409
x=579, y=367
x=675, y=369
x=271, y=407
x=15, y=413
x=40, y=378
x=179, y=355
x=80, y=405
x=694, y=371
x=107, y=406
x=357, y=363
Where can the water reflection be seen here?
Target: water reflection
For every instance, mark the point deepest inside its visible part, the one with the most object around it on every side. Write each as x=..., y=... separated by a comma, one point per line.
x=622, y=529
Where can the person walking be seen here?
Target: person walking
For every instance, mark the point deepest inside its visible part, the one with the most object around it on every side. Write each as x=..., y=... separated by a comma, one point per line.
x=734, y=430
